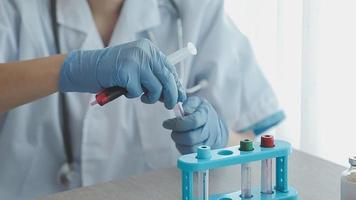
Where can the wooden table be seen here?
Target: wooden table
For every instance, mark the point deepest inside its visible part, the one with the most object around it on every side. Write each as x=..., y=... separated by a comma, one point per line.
x=314, y=178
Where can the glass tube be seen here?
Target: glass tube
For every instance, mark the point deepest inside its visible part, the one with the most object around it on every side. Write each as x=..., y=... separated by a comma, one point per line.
x=246, y=180
x=266, y=176
x=203, y=185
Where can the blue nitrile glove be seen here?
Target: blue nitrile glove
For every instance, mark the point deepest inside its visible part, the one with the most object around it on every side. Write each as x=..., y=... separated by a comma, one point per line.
x=200, y=125
x=138, y=66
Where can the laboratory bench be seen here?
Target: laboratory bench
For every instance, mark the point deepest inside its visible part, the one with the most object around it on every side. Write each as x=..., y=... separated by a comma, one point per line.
x=314, y=178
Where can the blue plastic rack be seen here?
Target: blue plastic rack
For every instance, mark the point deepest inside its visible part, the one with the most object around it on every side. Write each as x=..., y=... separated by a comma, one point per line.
x=218, y=158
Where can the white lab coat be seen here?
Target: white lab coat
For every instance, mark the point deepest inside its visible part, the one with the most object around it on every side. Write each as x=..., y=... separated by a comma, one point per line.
x=124, y=137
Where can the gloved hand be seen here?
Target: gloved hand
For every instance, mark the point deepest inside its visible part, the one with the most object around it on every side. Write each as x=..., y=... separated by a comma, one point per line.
x=138, y=66
x=200, y=125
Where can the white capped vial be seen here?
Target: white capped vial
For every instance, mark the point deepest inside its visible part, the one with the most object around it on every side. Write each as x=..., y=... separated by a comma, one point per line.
x=348, y=181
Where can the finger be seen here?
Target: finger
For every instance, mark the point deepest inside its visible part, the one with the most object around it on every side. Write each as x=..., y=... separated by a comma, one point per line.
x=193, y=137
x=182, y=95
x=169, y=91
x=186, y=149
x=133, y=86
x=191, y=104
x=168, y=76
x=153, y=88
x=189, y=122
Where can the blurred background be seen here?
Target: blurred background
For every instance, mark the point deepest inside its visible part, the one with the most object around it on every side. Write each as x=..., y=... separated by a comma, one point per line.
x=307, y=50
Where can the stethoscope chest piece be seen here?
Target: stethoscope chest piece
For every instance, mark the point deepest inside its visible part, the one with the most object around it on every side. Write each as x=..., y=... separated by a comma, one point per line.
x=68, y=176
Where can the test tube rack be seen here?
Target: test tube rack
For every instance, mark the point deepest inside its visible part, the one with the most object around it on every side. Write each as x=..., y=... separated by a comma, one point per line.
x=218, y=158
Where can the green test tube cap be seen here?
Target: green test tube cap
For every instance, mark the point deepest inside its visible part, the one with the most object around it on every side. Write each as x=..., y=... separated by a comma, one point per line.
x=246, y=145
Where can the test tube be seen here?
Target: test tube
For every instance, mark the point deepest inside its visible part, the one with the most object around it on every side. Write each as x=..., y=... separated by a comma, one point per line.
x=266, y=176
x=112, y=93
x=246, y=180
x=203, y=153
x=203, y=185
x=267, y=141
x=245, y=146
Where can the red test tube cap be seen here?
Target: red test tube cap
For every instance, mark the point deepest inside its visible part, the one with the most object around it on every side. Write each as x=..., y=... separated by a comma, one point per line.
x=267, y=141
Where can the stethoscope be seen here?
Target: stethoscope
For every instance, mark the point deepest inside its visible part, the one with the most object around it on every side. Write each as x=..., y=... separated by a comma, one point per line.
x=67, y=175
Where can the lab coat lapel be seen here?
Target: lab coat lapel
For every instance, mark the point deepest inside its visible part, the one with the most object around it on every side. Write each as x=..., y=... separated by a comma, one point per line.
x=77, y=29
x=136, y=16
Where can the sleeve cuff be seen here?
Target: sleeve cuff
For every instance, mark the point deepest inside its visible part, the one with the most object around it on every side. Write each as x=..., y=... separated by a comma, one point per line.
x=265, y=124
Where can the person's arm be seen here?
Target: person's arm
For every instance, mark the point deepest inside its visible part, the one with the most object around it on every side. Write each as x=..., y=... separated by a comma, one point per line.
x=25, y=81
x=139, y=67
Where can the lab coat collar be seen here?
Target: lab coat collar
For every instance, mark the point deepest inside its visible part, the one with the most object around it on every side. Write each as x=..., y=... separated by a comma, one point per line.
x=74, y=14
x=136, y=16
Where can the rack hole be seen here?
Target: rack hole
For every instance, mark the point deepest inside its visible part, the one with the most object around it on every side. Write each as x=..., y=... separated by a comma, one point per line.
x=225, y=152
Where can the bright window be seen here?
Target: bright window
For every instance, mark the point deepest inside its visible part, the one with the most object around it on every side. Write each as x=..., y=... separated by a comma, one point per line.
x=307, y=51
